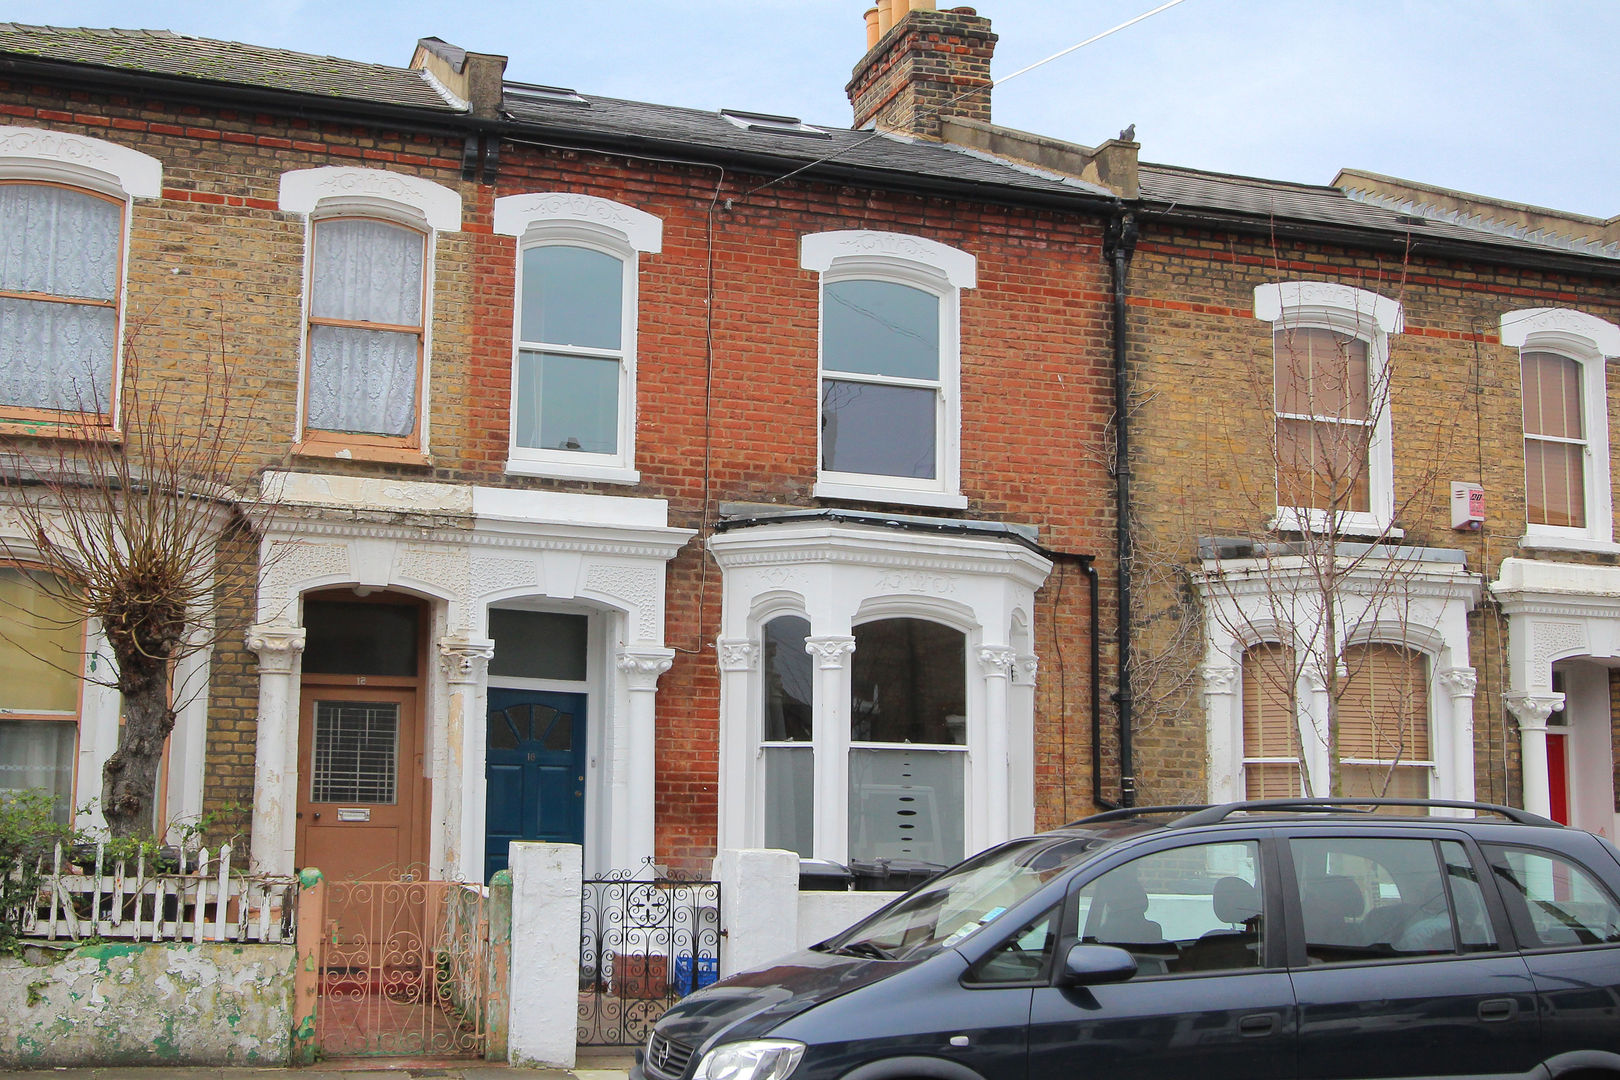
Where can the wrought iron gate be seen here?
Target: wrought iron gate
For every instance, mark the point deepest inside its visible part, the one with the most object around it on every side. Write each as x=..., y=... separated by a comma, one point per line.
x=403, y=967
x=643, y=946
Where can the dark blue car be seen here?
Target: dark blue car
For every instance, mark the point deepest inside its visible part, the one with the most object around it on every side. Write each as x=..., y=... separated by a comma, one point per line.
x=1274, y=940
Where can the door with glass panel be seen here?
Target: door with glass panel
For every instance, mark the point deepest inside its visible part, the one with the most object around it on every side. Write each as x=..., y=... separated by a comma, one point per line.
x=357, y=800
x=536, y=739
x=535, y=765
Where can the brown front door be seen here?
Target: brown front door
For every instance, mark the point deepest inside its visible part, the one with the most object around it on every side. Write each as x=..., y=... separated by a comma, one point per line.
x=360, y=804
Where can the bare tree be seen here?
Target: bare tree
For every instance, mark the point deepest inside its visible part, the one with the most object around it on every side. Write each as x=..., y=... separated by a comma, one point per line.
x=123, y=525
x=1321, y=581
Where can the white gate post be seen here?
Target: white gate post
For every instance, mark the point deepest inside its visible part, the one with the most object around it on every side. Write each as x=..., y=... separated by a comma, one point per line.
x=547, y=887
x=759, y=906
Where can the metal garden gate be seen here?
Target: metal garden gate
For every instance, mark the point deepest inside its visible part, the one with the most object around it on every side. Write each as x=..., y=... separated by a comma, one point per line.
x=643, y=946
x=403, y=968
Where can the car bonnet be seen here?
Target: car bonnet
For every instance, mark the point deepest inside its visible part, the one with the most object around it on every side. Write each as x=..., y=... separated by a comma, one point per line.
x=752, y=1003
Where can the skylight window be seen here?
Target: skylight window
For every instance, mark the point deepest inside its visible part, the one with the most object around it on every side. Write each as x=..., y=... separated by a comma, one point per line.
x=550, y=94
x=774, y=125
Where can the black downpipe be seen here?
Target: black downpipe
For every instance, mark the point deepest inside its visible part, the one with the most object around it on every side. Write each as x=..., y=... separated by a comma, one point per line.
x=1121, y=243
x=1097, y=799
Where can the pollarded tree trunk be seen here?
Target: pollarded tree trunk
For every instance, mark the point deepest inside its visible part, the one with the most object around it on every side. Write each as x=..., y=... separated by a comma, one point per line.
x=145, y=626
x=129, y=778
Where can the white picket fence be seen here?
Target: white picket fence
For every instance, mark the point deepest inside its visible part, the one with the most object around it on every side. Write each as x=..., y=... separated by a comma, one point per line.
x=202, y=900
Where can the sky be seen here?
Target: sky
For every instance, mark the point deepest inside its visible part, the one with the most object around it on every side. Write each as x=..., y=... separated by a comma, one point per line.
x=1513, y=99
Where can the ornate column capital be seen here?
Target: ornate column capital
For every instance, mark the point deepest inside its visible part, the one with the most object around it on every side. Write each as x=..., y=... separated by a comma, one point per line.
x=1220, y=678
x=465, y=659
x=1532, y=709
x=1315, y=677
x=642, y=667
x=278, y=646
x=737, y=654
x=832, y=651
x=1024, y=669
x=1460, y=682
x=996, y=661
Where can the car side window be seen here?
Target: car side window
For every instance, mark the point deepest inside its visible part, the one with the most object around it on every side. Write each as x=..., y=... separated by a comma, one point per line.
x=1552, y=901
x=1375, y=898
x=1024, y=957
x=1188, y=909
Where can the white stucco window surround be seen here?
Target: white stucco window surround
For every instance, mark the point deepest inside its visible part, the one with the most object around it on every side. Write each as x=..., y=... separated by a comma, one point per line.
x=464, y=549
x=1417, y=599
x=890, y=362
x=809, y=584
x=1366, y=317
x=1561, y=612
x=366, y=364
x=66, y=204
x=574, y=322
x=1588, y=342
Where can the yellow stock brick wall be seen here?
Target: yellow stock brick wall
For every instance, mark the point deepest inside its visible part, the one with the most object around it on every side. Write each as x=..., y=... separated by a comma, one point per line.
x=1201, y=364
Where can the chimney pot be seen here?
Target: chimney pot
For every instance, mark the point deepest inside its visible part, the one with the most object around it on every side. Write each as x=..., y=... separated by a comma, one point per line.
x=885, y=10
x=871, y=28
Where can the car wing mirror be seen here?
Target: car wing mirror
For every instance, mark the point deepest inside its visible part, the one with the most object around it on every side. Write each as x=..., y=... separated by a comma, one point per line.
x=1093, y=965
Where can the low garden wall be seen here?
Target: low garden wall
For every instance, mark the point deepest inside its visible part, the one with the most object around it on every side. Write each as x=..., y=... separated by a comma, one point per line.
x=148, y=1003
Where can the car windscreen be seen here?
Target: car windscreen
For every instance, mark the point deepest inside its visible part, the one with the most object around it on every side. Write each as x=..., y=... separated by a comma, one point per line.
x=964, y=898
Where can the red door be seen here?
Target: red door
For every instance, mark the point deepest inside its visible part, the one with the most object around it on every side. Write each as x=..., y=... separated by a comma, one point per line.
x=1558, y=776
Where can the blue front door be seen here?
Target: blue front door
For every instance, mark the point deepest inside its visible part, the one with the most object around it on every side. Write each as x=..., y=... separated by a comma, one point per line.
x=535, y=765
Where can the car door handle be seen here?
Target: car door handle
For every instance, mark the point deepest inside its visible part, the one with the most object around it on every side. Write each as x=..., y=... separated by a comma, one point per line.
x=1497, y=1009
x=1257, y=1024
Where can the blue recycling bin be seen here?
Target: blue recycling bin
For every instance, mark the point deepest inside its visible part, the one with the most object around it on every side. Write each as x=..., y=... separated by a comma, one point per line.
x=695, y=972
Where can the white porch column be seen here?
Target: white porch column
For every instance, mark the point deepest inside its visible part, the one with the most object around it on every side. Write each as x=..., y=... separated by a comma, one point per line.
x=830, y=837
x=634, y=786
x=738, y=659
x=995, y=663
x=1532, y=710
x=1021, y=745
x=458, y=766
x=1315, y=709
x=1225, y=727
x=1459, y=684
x=275, y=750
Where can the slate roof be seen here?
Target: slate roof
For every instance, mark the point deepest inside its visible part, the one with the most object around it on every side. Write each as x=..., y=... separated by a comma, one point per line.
x=584, y=120
x=667, y=124
x=162, y=52
x=1192, y=189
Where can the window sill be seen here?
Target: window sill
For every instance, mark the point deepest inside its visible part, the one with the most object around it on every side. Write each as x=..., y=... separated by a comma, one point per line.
x=71, y=427
x=336, y=447
x=573, y=470
x=830, y=489
x=1545, y=542
x=1289, y=519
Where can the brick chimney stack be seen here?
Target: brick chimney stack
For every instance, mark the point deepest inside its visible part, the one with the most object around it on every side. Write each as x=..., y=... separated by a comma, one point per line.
x=918, y=63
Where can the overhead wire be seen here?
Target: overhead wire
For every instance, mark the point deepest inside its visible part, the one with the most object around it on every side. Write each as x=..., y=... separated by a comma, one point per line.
x=923, y=112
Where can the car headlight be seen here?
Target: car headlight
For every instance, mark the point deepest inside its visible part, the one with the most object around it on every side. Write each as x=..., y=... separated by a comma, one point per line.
x=756, y=1059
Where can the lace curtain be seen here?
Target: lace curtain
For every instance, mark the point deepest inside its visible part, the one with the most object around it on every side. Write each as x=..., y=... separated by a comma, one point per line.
x=364, y=380
x=57, y=242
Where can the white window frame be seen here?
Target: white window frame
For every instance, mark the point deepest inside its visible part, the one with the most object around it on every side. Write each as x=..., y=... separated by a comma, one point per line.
x=346, y=192
x=921, y=264
x=1590, y=342
x=38, y=155
x=841, y=575
x=1368, y=317
x=569, y=219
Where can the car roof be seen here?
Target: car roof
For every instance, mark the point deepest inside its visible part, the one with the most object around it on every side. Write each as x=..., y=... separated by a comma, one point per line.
x=1128, y=822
